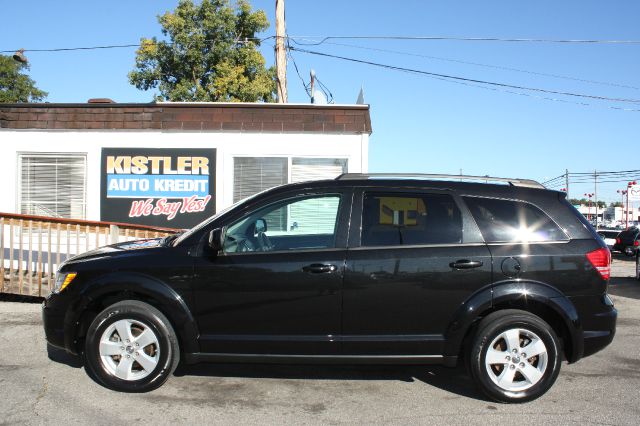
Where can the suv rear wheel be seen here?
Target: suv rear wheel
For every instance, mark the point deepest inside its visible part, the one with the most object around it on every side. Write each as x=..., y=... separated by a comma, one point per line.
x=514, y=356
x=131, y=347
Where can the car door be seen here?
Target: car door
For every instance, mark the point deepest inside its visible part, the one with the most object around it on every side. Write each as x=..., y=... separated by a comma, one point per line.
x=275, y=288
x=415, y=256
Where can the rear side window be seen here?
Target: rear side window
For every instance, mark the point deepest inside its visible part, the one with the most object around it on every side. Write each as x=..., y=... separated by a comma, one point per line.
x=410, y=219
x=513, y=221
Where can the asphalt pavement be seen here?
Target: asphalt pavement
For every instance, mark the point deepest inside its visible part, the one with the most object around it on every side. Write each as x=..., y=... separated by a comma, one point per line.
x=38, y=386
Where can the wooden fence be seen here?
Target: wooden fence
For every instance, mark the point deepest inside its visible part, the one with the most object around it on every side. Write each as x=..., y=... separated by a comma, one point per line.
x=33, y=247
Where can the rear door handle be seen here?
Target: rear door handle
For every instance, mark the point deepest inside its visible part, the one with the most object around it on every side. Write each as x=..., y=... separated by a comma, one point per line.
x=466, y=264
x=320, y=268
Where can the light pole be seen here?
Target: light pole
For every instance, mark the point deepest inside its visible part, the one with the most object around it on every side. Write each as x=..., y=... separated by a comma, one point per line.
x=622, y=193
x=629, y=185
x=589, y=207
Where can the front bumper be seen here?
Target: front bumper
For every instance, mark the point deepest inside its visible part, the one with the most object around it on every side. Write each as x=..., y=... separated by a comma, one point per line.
x=58, y=329
x=53, y=325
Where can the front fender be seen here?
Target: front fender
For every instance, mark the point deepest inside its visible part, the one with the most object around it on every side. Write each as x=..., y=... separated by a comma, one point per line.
x=514, y=294
x=166, y=299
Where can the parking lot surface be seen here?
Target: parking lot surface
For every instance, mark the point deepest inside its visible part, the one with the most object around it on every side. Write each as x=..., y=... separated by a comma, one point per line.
x=38, y=386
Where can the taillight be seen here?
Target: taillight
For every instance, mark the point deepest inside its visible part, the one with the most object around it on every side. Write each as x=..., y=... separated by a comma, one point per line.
x=636, y=243
x=618, y=240
x=601, y=261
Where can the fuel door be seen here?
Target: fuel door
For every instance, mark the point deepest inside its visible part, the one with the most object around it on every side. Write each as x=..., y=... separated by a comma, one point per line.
x=511, y=267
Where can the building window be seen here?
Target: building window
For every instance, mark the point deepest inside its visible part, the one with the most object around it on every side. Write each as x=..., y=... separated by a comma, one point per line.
x=303, y=169
x=52, y=185
x=254, y=174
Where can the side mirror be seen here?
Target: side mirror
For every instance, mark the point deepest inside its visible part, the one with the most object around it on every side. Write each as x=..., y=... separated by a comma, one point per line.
x=216, y=239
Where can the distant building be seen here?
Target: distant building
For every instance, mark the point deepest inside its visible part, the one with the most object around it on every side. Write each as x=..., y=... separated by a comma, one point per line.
x=608, y=214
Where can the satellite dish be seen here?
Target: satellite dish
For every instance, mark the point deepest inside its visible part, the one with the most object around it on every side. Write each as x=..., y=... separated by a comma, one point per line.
x=319, y=98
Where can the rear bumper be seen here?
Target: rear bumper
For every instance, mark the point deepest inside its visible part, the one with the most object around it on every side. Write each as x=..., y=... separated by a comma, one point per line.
x=596, y=340
x=598, y=317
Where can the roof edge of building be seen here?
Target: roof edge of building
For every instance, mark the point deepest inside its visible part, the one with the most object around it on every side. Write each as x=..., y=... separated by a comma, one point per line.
x=182, y=105
x=189, y=116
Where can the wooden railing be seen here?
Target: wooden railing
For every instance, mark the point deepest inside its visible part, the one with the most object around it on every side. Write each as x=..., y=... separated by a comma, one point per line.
x=32, y=247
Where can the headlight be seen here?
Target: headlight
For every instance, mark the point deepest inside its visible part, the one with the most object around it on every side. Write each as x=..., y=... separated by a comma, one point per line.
x=63, y=279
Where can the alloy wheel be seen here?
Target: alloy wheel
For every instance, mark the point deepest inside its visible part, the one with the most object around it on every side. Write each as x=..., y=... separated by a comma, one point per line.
x=129, y=350
x=516, y=359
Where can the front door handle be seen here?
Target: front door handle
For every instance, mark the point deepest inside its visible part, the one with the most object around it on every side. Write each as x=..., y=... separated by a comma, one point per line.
x=320, y=268
x=466, y=264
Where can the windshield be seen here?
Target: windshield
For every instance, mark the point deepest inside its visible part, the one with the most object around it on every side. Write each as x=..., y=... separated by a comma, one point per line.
x=206, y=222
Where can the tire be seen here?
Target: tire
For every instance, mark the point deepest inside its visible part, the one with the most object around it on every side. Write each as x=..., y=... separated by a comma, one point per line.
x=516, y=378
x=638, y=265
x=142, y=359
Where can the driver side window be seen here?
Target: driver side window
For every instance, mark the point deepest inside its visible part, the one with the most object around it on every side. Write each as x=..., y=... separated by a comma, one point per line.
x=302, y=223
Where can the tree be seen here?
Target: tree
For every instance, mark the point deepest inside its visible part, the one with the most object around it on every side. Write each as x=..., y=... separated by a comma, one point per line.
x=576, y=201
x=15, y=85
x=616, y=204
x=211, y=55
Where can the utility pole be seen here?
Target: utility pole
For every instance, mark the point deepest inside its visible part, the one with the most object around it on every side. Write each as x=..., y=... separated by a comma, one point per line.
x=281, y=54
x=566, y=181
x=595, y=191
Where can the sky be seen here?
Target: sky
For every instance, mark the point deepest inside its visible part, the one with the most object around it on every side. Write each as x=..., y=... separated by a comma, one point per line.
x=420, y=124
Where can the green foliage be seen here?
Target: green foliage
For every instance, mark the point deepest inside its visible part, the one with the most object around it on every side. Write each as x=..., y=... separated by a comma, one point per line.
x=210, y=55
x=584, y=201
x=577, y=201
x=15, y=86
x=616, y=204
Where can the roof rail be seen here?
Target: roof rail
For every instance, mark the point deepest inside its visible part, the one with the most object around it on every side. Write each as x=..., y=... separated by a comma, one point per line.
x=526, y=183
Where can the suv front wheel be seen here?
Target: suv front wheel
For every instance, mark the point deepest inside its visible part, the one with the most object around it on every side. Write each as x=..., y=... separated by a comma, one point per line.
x=515, y=356
x=131, y=347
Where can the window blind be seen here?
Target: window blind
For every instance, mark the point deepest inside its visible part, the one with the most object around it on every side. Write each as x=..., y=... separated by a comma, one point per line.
x=53, y=185
x=252, y=175
x=304, y=169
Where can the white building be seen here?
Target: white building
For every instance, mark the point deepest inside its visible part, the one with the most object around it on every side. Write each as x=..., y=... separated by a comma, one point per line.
x=609, y=214
x=617, y=214
x=168, y=164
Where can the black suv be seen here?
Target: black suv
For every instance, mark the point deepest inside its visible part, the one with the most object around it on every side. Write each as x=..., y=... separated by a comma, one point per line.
x=408, y=269
x=628, y=241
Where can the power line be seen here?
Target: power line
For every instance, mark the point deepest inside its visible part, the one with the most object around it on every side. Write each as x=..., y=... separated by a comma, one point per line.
x=120, y=46
x=469, y=80
x=295, y=65
x=499, y=67
x=324, y=39
x=66, y=49
x=588, y=176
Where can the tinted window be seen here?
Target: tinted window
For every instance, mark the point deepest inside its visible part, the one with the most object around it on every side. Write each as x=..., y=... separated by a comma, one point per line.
x=405, y=219
x=513, y=221
x=294, y=224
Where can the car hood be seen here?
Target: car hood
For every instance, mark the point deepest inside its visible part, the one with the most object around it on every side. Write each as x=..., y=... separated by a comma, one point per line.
x=118, y=249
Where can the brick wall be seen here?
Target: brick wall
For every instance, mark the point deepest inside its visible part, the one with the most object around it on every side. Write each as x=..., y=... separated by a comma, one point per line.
x=189, y=117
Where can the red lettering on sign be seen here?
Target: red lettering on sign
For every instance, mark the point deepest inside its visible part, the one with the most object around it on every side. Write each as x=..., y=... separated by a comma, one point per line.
x=141, y=208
